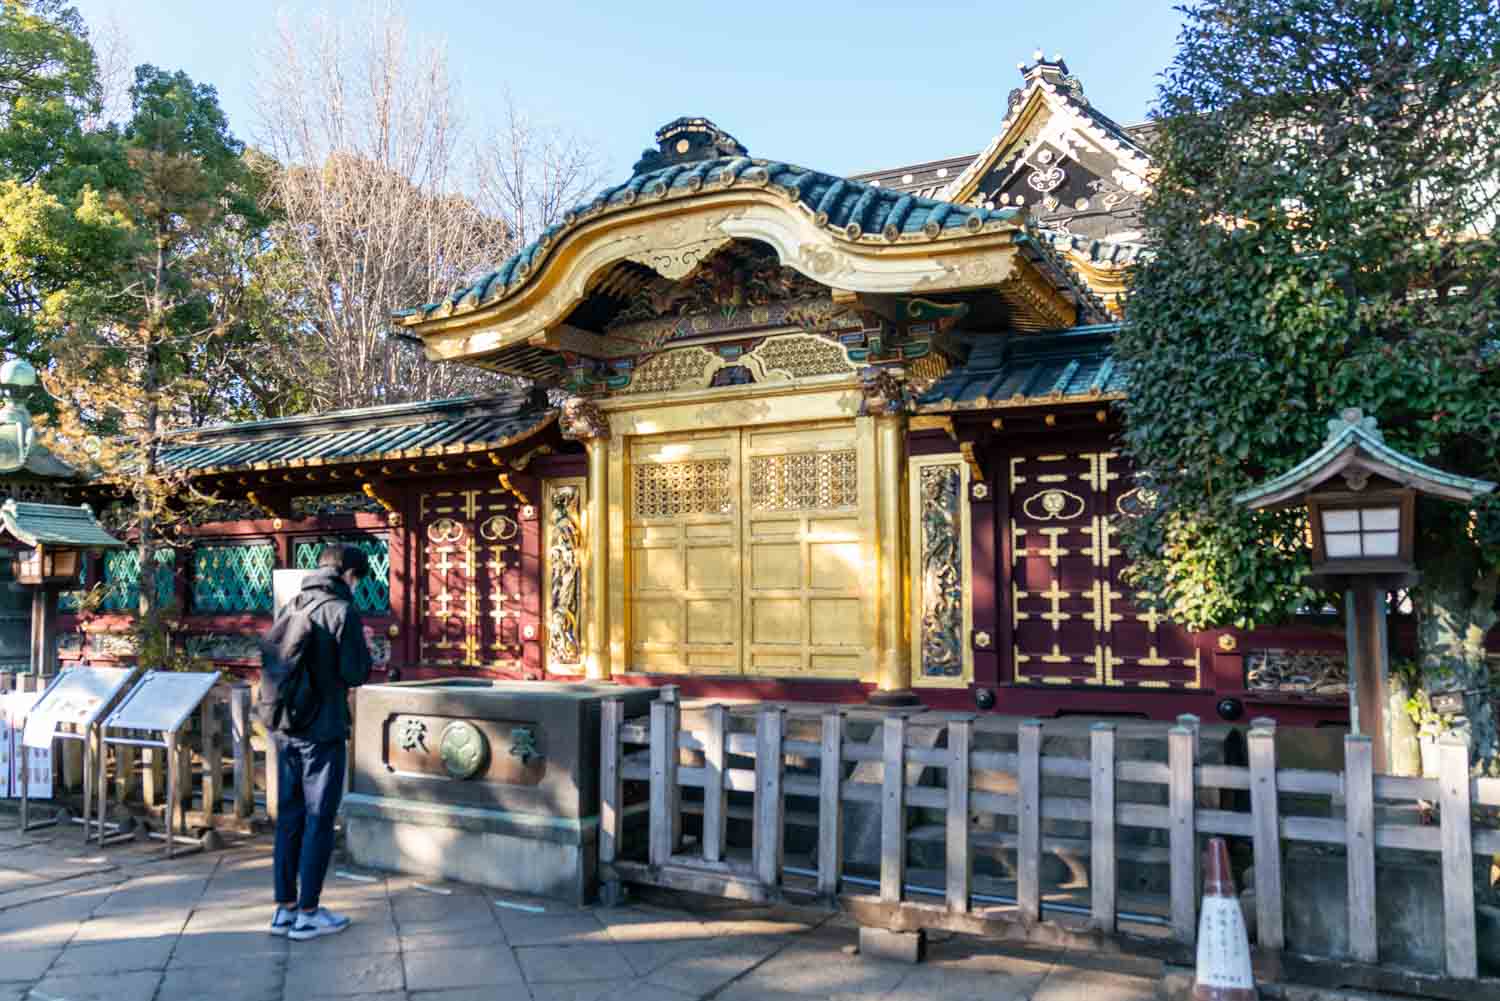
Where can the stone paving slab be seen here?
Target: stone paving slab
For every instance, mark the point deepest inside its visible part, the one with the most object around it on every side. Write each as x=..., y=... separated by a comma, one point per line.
x=141, y=928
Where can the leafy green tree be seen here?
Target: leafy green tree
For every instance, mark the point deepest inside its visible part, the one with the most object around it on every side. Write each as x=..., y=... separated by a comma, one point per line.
x=139, y=351
x=1323, y=223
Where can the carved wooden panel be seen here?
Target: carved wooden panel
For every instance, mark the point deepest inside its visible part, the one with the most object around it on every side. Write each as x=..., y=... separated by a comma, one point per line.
x=1073, y=618
x=941, y=570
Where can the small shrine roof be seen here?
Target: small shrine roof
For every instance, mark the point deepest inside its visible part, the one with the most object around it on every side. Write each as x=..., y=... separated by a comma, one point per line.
x=55, y=524
x=852, y=208
x=431, y=427
x=1356, y=445
x=1025, y=369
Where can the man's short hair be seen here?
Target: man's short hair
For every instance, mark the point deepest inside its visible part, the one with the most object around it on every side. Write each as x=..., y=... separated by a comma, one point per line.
x=344, y=559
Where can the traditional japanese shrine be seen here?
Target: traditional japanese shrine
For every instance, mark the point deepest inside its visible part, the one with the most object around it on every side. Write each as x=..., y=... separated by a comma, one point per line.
x=816, y=437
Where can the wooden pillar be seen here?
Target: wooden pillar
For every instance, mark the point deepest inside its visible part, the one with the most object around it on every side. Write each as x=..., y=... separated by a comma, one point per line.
x=43, y=631
x=597, y=662
x=894, y=648
x=1369, y=666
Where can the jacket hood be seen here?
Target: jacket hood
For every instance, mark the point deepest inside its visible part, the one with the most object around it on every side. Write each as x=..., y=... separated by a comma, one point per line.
x=326, y=580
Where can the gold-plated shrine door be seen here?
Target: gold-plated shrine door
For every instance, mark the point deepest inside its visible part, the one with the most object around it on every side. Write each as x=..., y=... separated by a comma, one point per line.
x=809, y=581
x=685, y=553
x=751, y=552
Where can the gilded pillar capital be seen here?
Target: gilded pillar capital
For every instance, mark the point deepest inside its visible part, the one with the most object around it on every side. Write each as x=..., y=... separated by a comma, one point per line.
x=582, y=420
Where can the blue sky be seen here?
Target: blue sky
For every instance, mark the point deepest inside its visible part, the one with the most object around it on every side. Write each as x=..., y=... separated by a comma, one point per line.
x=834, y=85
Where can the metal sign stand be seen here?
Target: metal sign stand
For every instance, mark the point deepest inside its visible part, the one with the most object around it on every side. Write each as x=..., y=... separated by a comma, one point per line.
x=77, y=698
x=161, y=703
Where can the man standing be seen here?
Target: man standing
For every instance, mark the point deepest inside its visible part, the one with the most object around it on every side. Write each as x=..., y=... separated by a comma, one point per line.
x=310, y=761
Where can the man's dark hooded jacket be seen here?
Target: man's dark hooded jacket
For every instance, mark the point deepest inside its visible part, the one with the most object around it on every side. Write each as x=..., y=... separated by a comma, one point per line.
x=340, y=658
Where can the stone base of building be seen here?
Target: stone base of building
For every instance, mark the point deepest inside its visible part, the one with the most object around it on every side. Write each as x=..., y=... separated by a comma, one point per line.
x=520, y=853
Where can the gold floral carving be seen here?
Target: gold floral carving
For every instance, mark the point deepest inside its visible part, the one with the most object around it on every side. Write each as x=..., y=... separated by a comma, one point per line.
x=804, y=481
x=678, y=261
x=683, y=368
x=671, y=489
x=797, y=356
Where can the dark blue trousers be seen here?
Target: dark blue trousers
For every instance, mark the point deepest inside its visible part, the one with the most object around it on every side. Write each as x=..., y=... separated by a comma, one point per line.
x=310, y=777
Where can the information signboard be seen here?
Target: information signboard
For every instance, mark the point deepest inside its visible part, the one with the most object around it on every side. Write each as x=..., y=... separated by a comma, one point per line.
x=76, y=698
x=286, y=585
x=161, y=701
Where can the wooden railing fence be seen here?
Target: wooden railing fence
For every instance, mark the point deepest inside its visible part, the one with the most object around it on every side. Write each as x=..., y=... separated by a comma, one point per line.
x=637, y=751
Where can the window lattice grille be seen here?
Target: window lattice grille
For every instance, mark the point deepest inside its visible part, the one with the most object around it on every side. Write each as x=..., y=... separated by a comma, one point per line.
x=122, y=579
x=669, y=489
x=804, y=481
x=372, y=596
x=233, y=578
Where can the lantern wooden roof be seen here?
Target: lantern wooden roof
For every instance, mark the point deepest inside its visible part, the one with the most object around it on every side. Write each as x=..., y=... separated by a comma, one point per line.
x=55, y=525
x=1356, y=450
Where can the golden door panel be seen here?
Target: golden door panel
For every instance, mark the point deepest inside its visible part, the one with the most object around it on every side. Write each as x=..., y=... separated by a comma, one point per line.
x=809, y=579
x=749, y=553
x=684, y=554
x=1074, y=622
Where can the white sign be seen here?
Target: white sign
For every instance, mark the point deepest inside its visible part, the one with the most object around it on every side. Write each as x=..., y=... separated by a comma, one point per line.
x=161, y=701
x=286, y=585
x=76, y=698
x=37, y=761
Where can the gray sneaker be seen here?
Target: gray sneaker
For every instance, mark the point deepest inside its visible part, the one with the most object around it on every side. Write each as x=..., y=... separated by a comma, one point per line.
x=317, y=924
x=283, y=920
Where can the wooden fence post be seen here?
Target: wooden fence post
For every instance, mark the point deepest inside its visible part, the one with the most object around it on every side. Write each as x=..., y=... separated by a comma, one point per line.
x=665, y=726
x=769, y=766
x=1182, y=840
x=213, y=757
x=1265, y=816
x=830, y=805
x=1103, y=880
x=244, y=753
x=713, y=782
x=154, y=776
x=1359, y=845
x=893, y=808
x=1029, y=822
x=1458, y=857
x=960, y=862
x=611, y=716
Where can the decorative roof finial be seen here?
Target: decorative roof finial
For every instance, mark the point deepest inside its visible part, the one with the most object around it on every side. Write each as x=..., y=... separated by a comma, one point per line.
x=1355, y=416
x=687, y=140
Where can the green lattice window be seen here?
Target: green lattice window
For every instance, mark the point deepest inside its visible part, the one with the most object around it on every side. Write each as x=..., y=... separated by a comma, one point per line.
x=233, y=578
x=122, y=579
x=373, y=595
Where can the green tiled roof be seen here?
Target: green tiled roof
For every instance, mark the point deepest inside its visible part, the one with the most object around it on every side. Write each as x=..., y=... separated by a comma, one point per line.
x=55, y=524
x=431, y=427
x=853, y=208
x=1021, y=369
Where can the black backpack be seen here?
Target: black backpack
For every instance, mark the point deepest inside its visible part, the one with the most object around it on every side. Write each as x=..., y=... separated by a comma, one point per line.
x=289, y=699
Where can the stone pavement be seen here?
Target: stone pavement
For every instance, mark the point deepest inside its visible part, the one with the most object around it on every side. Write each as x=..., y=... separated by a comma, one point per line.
x=123, y=924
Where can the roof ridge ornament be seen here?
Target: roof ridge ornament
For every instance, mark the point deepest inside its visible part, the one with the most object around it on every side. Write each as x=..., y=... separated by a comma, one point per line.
x=1353, y=417
x=688, y=140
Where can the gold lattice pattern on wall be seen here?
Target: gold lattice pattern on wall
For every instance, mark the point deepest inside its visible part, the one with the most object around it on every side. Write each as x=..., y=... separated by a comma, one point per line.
x=800, y=355
x=684, y=368
x=669, y=489
x=804, y=481
x=923, y=372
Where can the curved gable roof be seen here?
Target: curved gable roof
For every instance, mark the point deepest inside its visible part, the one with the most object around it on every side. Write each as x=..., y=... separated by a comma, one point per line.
x=851, y=210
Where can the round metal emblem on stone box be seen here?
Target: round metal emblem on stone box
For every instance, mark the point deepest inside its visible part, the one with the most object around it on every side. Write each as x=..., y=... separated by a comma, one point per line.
x=464, y=749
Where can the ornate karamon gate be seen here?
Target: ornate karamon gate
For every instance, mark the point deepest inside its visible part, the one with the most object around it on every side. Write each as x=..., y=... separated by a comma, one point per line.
x=747, y=348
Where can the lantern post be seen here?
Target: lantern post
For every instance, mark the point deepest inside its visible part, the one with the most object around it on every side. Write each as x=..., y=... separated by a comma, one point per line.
x=1361, y=499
